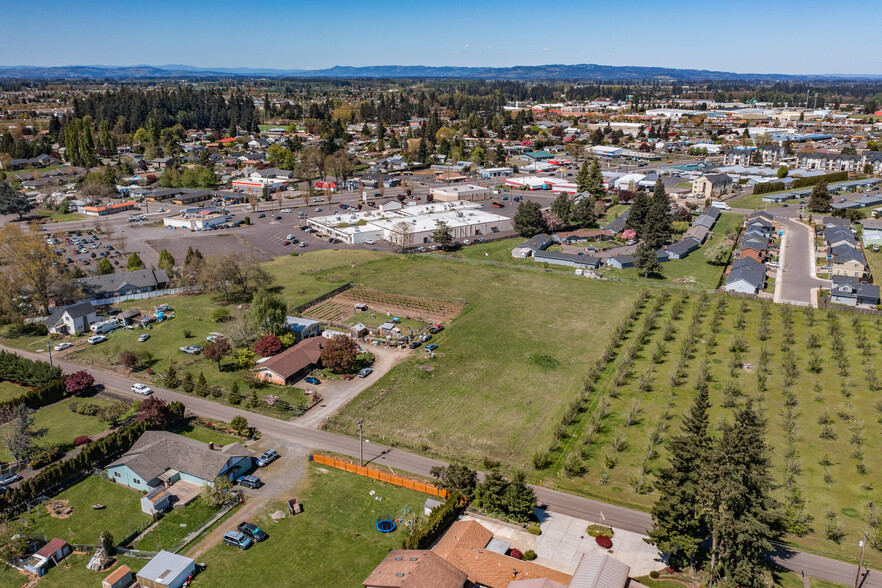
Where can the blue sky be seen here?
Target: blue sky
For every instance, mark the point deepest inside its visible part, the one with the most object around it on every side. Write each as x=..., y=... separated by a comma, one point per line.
x=772, y=36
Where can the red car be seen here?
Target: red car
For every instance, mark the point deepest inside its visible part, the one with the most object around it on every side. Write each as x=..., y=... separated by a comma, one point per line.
x=286, y=242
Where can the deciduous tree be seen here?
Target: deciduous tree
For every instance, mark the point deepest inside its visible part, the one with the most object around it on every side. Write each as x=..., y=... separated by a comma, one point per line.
x=217, y=350
x=339, y=353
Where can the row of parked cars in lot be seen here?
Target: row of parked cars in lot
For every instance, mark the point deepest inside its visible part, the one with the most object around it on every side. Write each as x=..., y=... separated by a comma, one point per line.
x=247, y=534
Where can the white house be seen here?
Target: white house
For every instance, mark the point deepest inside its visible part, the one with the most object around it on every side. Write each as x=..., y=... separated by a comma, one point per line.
x=70, y=320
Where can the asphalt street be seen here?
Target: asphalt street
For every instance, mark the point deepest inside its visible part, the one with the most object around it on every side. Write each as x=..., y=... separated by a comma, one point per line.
x=797, y=275
x=395, y=459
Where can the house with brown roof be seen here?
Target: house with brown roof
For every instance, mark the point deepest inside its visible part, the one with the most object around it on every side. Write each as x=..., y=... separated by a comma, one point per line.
x=293, y=363
x=415, y=568
x=465, y=546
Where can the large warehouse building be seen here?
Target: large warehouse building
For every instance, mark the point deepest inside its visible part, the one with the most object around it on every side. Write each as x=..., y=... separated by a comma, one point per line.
x=460, y=192
x=465, y=220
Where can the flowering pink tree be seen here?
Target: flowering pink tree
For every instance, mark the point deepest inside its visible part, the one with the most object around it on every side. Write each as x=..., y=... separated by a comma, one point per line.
x=629, y=234
x=552, y=222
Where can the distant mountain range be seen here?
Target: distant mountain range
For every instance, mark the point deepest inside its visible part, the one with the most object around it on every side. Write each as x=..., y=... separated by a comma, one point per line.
x=580, y=72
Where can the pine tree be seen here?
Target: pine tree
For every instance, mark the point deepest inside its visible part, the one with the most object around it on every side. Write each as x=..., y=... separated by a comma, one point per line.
x=583, y=178
x=595, y=180
x=187, y=384
x=166, y=261
x=171, y=380
x=134, y=262
x=528, y=219
x=659, y=194
x=201, y=388
x=646, y=260
x=677, y=518
x=820, y=199
x=657, y=227
x=737, y=498
x=519, y=499
x=639, y=211
x=582, y=214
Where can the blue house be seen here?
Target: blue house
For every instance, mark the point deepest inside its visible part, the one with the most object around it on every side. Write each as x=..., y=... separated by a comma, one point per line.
x=160, y=458
x=303, y=328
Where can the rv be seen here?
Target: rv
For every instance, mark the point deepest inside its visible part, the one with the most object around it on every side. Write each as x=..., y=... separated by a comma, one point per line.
x=106, y=326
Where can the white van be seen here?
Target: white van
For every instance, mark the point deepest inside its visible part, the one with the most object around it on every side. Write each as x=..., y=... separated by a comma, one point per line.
x=721, y=205
x=106, y=326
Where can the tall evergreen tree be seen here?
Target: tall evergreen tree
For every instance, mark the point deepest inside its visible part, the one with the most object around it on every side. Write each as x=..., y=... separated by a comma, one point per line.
x=582, y=213
x=737, y=498
x=562, y=207
x=677, y=519
x=639, y=211
x=820, y=199
x=646, y=260
x=657, y=227
x=595, y=180
x=528, y=219
x=659, y=194
x=583, y=178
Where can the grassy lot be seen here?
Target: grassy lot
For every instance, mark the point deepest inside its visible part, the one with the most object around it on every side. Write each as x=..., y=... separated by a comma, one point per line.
x=839, y=407
x=694, y=269
x=502, y=374
x=73, y=572
x=121, y=517
x=63, y=426
x=612, y=213
x=338, y=521
x=874, y=259
x=175, y=525
x=8, y=391
x=206, y=435
x=29, y=342
x=754, y=202
x=58, y=217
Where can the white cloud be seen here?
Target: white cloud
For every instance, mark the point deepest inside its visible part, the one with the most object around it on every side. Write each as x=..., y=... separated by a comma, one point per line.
x=467, y=45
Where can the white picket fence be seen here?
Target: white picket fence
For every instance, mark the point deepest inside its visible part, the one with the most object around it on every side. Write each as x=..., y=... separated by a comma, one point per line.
x=144, y=295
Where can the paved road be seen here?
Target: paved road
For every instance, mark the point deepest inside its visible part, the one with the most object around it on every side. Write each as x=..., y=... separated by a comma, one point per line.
x=395, y=459
x=797, y=276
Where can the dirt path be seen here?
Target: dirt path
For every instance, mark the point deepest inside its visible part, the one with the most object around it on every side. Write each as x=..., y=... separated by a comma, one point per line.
x=280, y=479
x=337, y=393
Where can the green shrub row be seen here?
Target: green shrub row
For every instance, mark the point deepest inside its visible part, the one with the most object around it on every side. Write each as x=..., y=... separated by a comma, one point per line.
x=50, y=480
x=827, y=178
x=29, y=372
x=768, y=187
x=441, y=518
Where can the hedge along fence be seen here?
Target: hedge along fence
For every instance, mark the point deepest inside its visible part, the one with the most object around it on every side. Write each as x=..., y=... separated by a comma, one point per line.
x=378, y=475
x=828, y=178
x=441, y=518
x=60, y=475
x=768, y=187
x=29, y=372
x=38, y=397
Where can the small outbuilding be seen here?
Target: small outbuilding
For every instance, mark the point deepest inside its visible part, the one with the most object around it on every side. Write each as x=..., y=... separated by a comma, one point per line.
x=119, y=578
x=156, y=501
x=166, y=570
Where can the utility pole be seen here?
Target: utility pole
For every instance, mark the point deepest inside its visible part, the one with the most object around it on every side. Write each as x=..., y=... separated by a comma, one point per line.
x=857, y=576
x=49, y=347
x=360, y=422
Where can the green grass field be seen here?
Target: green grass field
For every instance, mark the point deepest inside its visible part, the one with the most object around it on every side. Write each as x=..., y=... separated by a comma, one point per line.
x=121, y=517
x=8, y=391
x=57, y=217
x=206, y=435
x=176, y=525
x=72, y=572
x=333, y=542
x=754, y=202
x=504, y=370
x=874, y=259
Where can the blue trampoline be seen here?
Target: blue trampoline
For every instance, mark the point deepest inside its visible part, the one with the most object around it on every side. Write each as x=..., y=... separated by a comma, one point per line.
x=385, y=524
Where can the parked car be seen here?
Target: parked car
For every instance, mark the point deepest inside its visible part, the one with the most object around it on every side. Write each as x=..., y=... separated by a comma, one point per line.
x=214, y=338
x=286, y=210
x=267, y=458
x=289, y=237
x=772, y=264
x=313, y=381
x=249, y=481
x=143, y=337
x=369, y=242
x=414, y=344
x=237, y=539
x=303, y=244
x=7, y=479
x=261, y=215
x=286, y=243
x=431, y=347
x=141, y=389
x=192, y=349
x=365, y=372
x=96, y=339
x=277, y=217
x=319, y=209
x=62, y=346
x=436, y=329
x=253, y=532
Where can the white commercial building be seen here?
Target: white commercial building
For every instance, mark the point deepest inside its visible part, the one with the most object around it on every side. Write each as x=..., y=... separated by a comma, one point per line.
x=528, y=183
x=465, y=219
x=607, y=151
x=195, y=221
x=460, y=192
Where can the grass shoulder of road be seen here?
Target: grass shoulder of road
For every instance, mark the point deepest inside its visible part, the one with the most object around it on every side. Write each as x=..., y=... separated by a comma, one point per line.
x=338, y=521
x=780, y=580
x=121, y=516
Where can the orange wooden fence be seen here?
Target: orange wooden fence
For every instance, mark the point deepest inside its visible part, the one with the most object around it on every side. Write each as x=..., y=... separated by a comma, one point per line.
x=378, y=475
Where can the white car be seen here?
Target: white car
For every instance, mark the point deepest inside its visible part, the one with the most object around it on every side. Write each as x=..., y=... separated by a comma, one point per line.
x=289, y=237
x=141, y=389
x=95, y=339
x=303, y=244
x=369, y=242
x=286, y=210
x=62, y=346
x=772, y=264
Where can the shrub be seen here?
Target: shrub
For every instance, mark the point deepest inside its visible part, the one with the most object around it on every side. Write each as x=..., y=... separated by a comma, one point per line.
x=603, y=541
x=599, y=531
x=541, y=460
x=529, y=555
x=516, y=553
x=82, y=440
x=438, y=521
x=654, y=574
x=78, y=382
x=268, y=346
x=220, y=314
x=534, y=530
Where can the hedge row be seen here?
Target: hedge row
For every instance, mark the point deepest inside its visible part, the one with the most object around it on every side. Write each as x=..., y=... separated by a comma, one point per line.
x=768, y=187
x=38, y=397
x=828, y=178
x=15, y=368
x=441, y=518
x=97, y=454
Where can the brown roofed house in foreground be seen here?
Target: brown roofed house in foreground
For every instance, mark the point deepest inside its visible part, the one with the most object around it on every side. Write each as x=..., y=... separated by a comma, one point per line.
x=293, y=363
x=414, y=568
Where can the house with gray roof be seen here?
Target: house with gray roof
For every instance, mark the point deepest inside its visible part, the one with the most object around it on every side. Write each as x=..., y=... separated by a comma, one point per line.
x=120, y=284
x=748, y=276
x=852, y=292
x=69, y=320
x=618, y=225
x=621, y=261
x=567, y=259
x=532, y=246
x=681, y=249
x=160, y=458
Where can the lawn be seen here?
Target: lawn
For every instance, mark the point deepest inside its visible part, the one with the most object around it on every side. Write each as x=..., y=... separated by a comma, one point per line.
x=8, y=391
x=754, y=202
x=503, y=372
x=833, y=416
x=121, y=517
x=695, y=269
x=338, y=524
x=63, y=426
x=874, y=259
x=174, y=526
x=206, y=435
x=30, y=342
x=58, y=217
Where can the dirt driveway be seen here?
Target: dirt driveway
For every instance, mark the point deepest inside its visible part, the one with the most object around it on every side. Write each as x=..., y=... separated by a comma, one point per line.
x=337, y=393
x=280, y=479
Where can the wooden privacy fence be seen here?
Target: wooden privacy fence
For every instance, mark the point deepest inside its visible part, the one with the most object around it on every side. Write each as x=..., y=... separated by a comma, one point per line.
x=378, y=475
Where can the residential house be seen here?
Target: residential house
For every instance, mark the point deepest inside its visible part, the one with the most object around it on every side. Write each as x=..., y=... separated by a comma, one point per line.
x=303, y=328
x=166, y=570
x=681, y=249
x=291, y=364
x=415, y=568
x=160, y=458
x=618, y=225
x=838, y=236
x=697, y=232
x=120, y=284
x=712, y=185
x=748, y=276
x=872, y=233
x=582, y=235
x=567, y=259
x=759, y=221
x=853, y=292
x=755, y=248
x=849, y=262
x=70, y=320
x=621, y=261
x=532, y=246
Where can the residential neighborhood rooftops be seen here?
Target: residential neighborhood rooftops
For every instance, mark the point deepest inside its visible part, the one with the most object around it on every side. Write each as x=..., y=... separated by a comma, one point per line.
x=294, y=359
